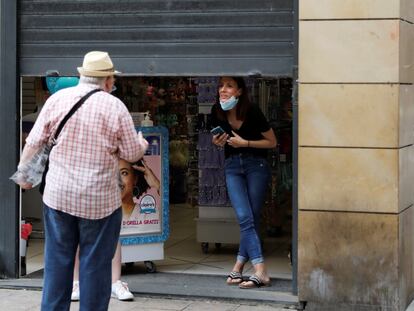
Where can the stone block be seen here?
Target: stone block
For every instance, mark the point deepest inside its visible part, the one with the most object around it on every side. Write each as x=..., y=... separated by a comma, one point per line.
x=407, y=10
x=406, y=257
x=406, y=177
x=349, y=259
x=356, y=115
x=406, y=115
x=356, y=51
x=356, y=179
x=407, y=52
x=356, y=9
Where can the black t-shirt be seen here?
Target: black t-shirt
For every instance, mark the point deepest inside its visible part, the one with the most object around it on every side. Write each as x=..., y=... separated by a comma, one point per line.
x=252, y=128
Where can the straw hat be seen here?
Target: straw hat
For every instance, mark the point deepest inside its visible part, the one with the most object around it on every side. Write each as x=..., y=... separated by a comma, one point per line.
x=97, y=64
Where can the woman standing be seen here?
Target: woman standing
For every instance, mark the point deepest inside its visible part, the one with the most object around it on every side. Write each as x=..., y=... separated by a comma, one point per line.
x=246, y=138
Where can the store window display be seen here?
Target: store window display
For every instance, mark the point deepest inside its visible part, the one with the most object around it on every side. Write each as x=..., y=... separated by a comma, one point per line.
x=278, y=211
x=171, y=103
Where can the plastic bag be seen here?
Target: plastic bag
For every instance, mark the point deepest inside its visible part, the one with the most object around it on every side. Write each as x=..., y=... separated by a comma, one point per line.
x=32, y=171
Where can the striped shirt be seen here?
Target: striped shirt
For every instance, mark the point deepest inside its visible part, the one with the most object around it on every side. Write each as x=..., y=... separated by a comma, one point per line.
x=83, y=171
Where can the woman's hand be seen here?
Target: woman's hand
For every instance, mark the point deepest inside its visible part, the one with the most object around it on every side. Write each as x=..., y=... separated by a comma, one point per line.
x=237, y=141
x=149, y=175
x=220, y=139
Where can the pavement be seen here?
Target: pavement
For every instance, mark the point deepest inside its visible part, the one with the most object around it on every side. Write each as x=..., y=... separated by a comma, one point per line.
x=29, y=300
x=164, y=291
x=181, y=285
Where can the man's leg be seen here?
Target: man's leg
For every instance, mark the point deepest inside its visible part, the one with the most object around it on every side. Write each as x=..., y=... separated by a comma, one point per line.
x=61, y=239
x=97, y=244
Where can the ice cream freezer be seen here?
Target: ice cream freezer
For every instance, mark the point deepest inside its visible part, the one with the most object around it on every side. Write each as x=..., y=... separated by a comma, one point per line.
x=145, y=225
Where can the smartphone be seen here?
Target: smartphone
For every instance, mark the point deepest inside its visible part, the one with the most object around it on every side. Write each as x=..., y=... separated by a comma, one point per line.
x=217, y=130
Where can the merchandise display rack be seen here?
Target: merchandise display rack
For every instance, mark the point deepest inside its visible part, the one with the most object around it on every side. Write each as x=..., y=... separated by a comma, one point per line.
x=216, y=221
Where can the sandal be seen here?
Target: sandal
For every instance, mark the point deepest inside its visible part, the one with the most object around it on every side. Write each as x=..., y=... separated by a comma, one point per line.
x=254, y=282
x=235, y=278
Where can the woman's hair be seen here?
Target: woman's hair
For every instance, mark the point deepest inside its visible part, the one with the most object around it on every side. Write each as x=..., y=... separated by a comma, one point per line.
x=242, y=106
x=97, y=81
x=141, y=186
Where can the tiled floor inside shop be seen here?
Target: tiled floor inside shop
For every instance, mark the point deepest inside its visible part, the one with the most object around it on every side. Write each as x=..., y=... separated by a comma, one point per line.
x=183, y=254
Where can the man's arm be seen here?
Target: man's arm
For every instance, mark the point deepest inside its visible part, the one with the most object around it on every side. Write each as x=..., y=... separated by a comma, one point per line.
x=27, y=154
x=132, y=145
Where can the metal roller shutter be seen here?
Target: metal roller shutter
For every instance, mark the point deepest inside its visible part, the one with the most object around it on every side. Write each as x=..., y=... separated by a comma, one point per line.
x=159, y=37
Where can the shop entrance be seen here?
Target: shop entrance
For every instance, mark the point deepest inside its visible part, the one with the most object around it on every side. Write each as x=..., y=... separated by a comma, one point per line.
x=203, y=230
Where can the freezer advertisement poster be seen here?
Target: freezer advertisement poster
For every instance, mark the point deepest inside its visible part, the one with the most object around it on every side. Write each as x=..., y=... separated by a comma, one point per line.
x=144, y=191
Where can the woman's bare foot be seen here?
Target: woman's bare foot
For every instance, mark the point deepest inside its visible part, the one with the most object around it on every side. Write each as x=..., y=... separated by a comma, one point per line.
x=255, y=281
x=258, y=279
x=235, y=277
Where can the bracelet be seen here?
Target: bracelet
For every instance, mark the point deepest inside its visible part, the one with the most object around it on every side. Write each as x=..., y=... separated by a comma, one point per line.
x=248, y=144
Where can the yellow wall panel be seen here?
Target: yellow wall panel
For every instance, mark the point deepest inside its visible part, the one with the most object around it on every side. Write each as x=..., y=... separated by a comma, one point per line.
x=407, y=10
x=351, y=115
x=349, y=258
x=339, y=9
x=349, y=51
x=406, y=177
x=407, y=53
x=406, y=115
x=359, y=180
x=406, y=256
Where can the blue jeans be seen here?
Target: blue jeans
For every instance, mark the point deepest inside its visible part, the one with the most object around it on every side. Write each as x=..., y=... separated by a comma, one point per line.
x=97, y=240
x=247, y=179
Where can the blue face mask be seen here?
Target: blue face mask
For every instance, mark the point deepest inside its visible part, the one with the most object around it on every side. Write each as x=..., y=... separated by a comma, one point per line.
x=229, y=104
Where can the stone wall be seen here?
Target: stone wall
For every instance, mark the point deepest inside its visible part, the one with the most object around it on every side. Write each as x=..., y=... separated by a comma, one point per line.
x=356, y=154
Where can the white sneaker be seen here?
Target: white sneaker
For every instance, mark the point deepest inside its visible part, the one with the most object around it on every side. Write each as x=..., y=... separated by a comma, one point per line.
x=121, y=291
x=75, y=291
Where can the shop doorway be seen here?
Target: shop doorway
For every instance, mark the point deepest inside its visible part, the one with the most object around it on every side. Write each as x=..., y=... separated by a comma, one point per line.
x=203, y=237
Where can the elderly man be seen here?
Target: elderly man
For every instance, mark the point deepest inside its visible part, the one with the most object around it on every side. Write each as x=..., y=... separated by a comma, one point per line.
x=82, y=197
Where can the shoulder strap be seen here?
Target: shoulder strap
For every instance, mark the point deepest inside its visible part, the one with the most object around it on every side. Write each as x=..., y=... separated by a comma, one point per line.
x=72, y=111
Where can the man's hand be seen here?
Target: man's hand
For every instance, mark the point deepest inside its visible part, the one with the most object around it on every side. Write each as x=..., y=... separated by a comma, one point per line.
x=25, y=186
x=142, y=141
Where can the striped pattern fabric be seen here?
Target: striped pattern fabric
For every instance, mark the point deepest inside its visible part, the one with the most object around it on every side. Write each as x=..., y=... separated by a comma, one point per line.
x=83, y=170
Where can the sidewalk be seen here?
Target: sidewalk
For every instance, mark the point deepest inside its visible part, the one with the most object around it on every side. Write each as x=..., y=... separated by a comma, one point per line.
x=182, y=286
x=29, y=300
